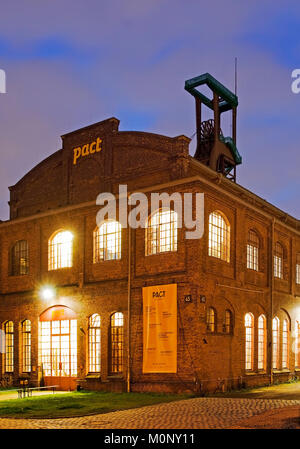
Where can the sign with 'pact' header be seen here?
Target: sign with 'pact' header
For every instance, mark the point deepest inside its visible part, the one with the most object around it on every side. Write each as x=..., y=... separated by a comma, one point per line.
x=85, y=150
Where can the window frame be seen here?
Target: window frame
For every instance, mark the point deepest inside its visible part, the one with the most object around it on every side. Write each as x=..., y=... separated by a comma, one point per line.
x=219, y=238
x=249, y=342
x=116, y=338
x=253, y=250
x=98, y=235
x=94, y=344
x=55, y=251
x=26, y=346
x=155, y=232
x=9, y=346
x=17, y=253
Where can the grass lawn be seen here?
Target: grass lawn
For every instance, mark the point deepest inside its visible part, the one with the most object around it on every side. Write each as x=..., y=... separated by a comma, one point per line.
x=81, y=403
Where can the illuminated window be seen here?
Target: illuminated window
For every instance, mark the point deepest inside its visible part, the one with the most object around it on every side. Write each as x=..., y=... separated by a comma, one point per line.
x=252, y=250
x=285, y=344
x=19, y=258
x=211, y=320
x=228, y=326
x=26, y=346
x=297, y=345
x=58, y=348
x=161, y=232
x=60, y=250
x=116, y=342
x=219, y=237
x=298, y=268
x=262, y=343
x=9, y=346
x=278, y=261
x=107, y=241
x=94, y=343
x=275, y=330
x=249, y=341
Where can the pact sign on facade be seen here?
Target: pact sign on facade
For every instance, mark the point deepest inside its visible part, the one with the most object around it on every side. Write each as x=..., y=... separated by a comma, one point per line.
x=89, y=148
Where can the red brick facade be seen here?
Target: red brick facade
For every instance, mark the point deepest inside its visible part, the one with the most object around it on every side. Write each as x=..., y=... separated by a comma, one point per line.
x=58, y=194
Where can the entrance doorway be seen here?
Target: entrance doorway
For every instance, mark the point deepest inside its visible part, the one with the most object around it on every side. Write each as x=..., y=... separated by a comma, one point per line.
x=58, y=347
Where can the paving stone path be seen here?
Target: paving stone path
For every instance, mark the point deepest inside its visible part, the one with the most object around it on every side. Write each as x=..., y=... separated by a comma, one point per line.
x=197, y=413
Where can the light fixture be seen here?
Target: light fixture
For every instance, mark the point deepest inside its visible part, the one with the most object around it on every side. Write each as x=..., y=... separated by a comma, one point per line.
x=47, y=293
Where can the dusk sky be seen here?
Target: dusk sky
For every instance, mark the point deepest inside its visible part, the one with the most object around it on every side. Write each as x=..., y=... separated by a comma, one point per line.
x=72, y=63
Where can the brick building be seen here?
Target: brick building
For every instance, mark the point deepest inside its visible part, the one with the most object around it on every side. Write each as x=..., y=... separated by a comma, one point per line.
x=71, y=301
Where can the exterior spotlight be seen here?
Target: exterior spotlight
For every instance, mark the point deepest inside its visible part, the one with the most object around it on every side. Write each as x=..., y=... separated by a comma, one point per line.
x=47, y=293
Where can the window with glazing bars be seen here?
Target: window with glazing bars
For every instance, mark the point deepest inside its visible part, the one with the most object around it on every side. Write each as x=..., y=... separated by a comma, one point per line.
x=278, y=261
x=297, y=345
x=161, y=232
x=285, y=344
x=252, y=250
x=298, y=268
x=116, y=342
x=275, y=330
x=262, y=343
x=26, y=346
x=228, y=326
x=249, y=341
x=9, y=346
x=219, y=237
x=107, y=241
x=60, y=251
x=211, y=320
x=19, y=258
x=94, y=343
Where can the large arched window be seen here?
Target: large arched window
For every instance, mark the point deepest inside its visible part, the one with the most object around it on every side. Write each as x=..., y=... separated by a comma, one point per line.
x=275, y=349
x=161, y=232
x=116, y=342
x=26, y=346
x=219, y=236
x=278, y=261
x=19, y=262
x=107, y=241
x=262, y=343
x=94, y=343
x=9, y=346
x=285, y=344
x=60, y=250
x=252, y=250
x=298, y=268
x=249, y=341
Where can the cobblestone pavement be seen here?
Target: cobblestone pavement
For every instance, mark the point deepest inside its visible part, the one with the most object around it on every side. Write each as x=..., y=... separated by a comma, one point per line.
x=197, y=413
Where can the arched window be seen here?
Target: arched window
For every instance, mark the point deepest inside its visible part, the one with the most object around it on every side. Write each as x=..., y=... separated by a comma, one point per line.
x=249, y=341
x=262, y=343
x=219, y=236
x=211, y=320
x=60, y=250
x=252, y=250
x=275, y=330
x=298, y=268
x=94, y=344
x=116, y=342
x=161, y=232
x=9, y=346
x=107, y=241
x=285, y=344
x=278, y=261
x=19, y=258
x=297, y=345
x=228, y=326
x=26, y=346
